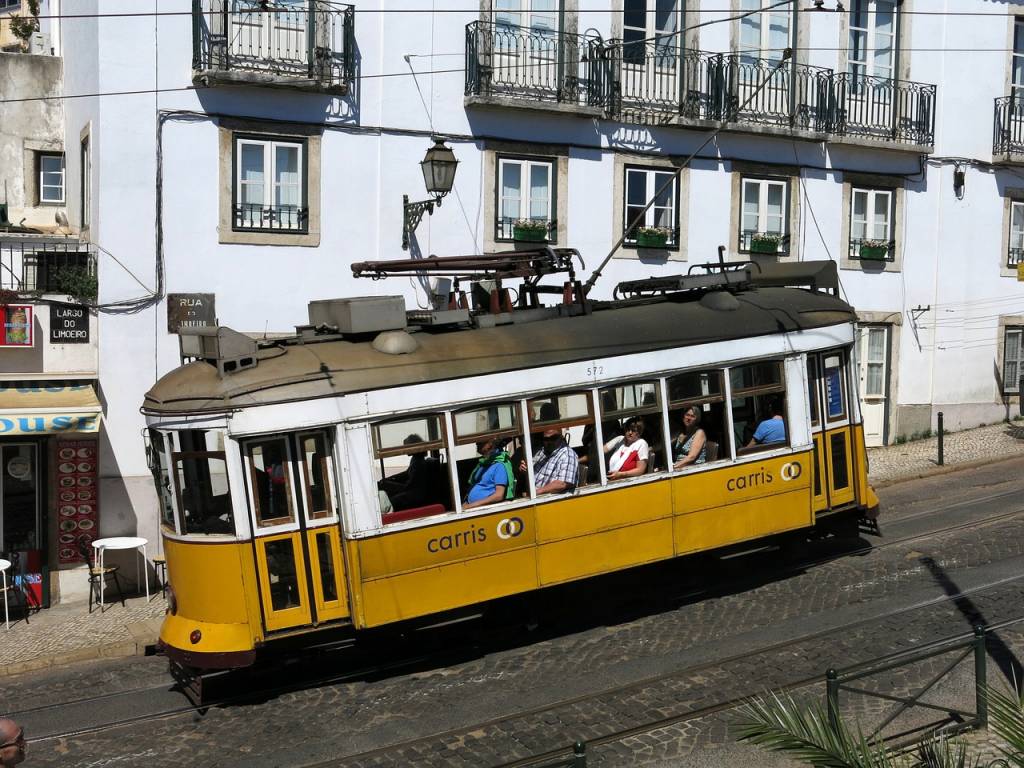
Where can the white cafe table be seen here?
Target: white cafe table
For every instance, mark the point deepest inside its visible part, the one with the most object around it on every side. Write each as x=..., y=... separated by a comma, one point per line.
x=121, y=542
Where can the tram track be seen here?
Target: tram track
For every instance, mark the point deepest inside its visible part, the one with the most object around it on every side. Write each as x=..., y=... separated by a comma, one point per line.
x=458, y=652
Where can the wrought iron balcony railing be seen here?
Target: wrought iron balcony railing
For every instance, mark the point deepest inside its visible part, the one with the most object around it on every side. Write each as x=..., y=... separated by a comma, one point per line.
x=650, y=81
x=310, y=42
x=281, y=218
x=882, y=108
x=656, y=77
x=871, y=250
x=40, y=267
x=1014, y=256
x=751, y=241
x=1008, y=136
x=530, y=64
x=506, y=229
x=636, y=240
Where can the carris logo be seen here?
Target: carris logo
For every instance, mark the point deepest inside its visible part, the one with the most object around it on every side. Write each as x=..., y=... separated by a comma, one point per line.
x=509, y=528
x=791, y=471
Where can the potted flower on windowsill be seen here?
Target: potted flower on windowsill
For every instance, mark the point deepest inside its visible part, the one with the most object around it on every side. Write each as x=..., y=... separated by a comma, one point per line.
x=652, y=237
x=530, y=230
x=765, y=242
x=874, y=250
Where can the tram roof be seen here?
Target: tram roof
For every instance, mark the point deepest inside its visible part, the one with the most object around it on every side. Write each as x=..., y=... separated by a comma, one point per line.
x=337, y=367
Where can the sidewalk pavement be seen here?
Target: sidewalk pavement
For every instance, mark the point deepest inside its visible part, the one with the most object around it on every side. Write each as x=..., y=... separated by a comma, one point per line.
x=67, y=633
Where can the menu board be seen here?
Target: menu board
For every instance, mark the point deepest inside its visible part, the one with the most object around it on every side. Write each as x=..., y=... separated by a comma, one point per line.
x=77, y=503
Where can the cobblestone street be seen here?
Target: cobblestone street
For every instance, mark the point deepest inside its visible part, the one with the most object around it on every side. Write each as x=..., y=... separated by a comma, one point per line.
x=610, y=654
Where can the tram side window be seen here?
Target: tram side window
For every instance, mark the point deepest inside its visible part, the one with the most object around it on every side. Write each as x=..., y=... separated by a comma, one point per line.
x=162, y=476
x=318, y=474
x=412, y=474
x=562, y=436
x=697, y=418
x=633, y=430
x=488, y=450
x=270, y=481
x=759, y=406
x=201, y=474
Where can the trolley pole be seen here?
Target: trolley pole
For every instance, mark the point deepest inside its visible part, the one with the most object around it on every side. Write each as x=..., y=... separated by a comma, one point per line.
x=832, y=699
x=941, y=434
x=980, y=675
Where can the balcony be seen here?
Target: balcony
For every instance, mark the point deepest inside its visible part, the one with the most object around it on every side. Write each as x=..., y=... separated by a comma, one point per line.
x=655, y=82
x=307, y=46
x=506, y=230
x=768, y=243
x=35, y=266
x=1008, y=134
x=531, y=67
x=1014, y=256
x=872, y=251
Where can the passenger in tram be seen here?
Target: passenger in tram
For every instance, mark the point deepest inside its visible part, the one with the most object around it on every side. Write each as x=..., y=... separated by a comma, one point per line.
x=556, y=467
x=629, y=453
x=690, y=445
x=771, y=430
x=492, y=479
x=411, y=487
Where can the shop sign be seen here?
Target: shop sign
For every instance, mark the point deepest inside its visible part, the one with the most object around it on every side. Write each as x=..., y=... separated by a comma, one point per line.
x=77, y=499
x=16, y=325
x=190, y=310
x=69, y=324
x=49, y=424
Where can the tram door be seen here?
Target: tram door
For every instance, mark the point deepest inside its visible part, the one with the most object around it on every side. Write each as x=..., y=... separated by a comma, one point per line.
x=830, y=429
x=296, y=532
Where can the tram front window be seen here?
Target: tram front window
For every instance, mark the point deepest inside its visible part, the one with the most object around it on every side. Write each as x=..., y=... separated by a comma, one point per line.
x=202, y=483
x=161, y=476
x=412, y=468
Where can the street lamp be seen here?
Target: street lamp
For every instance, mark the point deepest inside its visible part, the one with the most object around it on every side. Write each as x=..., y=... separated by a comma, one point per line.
x=438, y=168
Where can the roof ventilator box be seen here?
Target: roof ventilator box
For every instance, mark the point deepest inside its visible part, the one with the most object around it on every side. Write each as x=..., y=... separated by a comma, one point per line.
x=368, y=314
x=228, y=350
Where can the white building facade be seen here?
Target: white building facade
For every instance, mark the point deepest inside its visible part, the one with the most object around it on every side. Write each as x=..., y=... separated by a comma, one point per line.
x=251, y=152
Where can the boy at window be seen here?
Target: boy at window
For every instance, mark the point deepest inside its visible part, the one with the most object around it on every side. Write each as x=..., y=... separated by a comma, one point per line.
x=556, y=467
x=492, y=479
x=772, y=429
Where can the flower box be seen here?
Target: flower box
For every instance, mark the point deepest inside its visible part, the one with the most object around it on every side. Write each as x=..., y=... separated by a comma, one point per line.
x=764, y=245
x=873, y=252
x=530, y=234
x=651, y=239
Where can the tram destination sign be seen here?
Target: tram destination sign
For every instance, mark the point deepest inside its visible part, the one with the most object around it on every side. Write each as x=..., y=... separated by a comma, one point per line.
x=190, y=310
x=69, y=324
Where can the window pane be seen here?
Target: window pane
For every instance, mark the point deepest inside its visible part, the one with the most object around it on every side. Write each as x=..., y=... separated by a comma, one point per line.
x=489, y=420
x=767, y=374
x=751, y=204
x=281, y=571
x=286, y=165
x=635, y=14
x=665, y=199
x=665, y=15
x=562, y=407
x=511, y=190
x=162, y=477
x=540, y=178
x=507, y=12
x=694, y=386
x=636, y=187
x=629, y=397
x=874, y=379
x=880, y=222
x=271, y=484
x=396, y=434
x=202, y=481
x=316, y=460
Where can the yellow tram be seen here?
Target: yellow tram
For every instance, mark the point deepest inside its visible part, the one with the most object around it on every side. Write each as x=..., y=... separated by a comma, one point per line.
x=320, y=481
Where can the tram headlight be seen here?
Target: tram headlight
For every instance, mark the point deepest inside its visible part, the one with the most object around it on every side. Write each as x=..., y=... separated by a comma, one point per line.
x=195, y=637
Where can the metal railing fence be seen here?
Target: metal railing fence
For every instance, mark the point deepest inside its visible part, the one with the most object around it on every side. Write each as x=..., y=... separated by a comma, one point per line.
x=314, y=39
x=1008, y=122
x=33, y=267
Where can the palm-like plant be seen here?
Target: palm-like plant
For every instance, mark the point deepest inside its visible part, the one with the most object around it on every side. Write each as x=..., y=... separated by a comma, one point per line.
x=779, y=723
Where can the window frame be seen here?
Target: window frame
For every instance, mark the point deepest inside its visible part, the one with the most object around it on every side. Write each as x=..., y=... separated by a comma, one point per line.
x=651, y=172
x=763, y=20
x=526, y=162
x=1018, y=331
x=270, y=143
x=40, y=186
x=867, y=63
x=853, y=248
x=292, y=518
x=764, y=183
x=1010, y=262
x=85, y=181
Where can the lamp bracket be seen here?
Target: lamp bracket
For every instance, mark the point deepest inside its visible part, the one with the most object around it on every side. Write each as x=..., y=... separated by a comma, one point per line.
x=413, y=215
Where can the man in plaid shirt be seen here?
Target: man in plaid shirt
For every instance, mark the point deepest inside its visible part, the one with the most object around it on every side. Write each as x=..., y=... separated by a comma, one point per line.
x=555, y=466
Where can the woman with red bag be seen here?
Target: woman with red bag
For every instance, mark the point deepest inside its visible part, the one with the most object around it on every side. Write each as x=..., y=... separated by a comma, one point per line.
x=629, y=452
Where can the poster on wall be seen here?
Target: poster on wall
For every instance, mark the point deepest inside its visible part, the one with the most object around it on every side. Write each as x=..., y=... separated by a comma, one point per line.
x=77, y=502
x=15, y=325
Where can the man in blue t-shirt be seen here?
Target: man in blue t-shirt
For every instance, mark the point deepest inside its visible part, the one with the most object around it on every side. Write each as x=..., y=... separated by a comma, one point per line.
x=492, y=479
x=772, y=429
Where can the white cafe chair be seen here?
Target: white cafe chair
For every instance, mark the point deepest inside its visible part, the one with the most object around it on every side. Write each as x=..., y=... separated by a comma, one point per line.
x=4, y=567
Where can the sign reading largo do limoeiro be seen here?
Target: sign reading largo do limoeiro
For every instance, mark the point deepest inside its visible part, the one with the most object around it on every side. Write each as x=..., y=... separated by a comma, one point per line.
x=69, y=324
